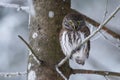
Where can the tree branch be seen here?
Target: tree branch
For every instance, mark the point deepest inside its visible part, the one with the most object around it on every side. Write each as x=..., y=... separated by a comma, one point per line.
x=103, y=73
x=99, y=28
x=13, y=74
x=105, y=13
x=32, y=51
x=106, y=77
x=16, y=6
x=96, y=24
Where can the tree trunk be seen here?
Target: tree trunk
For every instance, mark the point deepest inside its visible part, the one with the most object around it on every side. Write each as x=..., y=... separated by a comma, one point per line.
x=44, y=39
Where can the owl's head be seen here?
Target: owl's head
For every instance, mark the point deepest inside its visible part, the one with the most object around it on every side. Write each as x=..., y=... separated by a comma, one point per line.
x=73, y=22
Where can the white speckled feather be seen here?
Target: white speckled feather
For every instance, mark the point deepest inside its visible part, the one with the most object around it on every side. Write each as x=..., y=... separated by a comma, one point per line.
x=80, y=55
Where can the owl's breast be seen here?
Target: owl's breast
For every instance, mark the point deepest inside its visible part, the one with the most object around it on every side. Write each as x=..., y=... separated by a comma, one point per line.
x=70, y=40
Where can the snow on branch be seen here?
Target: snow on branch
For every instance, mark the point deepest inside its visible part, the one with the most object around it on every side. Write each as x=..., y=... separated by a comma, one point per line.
x=103, y=73
x=16, y=6
x=12, y=74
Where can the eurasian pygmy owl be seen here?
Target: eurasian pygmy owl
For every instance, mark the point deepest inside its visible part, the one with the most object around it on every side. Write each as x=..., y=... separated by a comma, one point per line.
x=74, y=31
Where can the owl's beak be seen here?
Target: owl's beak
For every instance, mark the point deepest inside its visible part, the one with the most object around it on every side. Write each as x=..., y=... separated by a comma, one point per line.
x=74, y=27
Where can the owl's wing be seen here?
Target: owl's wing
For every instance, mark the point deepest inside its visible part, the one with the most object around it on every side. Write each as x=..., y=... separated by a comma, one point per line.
x=62, y=41
x=61, y=34
x=86, y=32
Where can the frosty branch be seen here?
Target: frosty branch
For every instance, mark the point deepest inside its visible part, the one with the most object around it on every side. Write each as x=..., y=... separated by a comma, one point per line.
x=32, y=51
x=96, y=24
x=11, y=74
x=103, y=73
x=100, y=26
x=105, y=29
x=16, y=6
x=105, y=13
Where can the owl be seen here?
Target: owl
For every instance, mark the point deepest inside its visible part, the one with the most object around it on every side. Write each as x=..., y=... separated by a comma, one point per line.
x=73, y=32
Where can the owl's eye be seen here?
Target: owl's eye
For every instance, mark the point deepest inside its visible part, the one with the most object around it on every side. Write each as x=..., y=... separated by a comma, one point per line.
x=70, y=22
x=79, y=22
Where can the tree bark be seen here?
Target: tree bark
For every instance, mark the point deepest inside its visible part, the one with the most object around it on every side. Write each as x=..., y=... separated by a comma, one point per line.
x=44, y=39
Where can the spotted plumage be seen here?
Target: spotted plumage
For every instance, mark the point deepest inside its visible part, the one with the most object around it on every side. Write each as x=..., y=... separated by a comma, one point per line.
x=74, y=31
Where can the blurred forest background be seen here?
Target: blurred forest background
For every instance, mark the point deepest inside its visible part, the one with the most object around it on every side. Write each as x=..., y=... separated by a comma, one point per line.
x=103, y=54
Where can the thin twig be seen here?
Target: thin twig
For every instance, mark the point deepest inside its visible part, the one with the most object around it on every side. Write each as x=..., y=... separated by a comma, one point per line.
x=16, y=6
x=62, y=75
x=96, y=24
x=106, y=77
x=91, y=30
x=100, y=27
x=103, y=73
x=105, y=13
x=111, y=42
x=13, y=74
x=32, y=51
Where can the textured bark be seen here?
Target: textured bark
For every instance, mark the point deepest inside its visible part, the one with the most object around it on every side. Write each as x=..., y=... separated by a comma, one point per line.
x=44, y=39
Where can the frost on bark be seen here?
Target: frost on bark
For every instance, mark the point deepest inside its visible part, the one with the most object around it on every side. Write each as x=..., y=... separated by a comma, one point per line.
x=44, y=39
